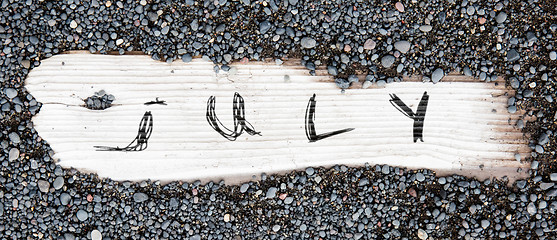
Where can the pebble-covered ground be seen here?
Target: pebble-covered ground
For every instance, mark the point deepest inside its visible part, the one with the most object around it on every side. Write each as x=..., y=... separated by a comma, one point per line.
x=381, y=39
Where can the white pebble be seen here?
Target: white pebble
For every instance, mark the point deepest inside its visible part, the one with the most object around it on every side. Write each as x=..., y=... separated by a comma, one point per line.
x=73, y=24
x=96, y=235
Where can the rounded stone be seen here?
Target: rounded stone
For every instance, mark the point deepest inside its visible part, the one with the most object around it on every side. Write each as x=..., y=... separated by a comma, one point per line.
x=10, y=92
x=96, y=235
x=58, y=183
x=399, y=6
x=43, y=185
x=437, y=75
x=308, y=42
x=512, y=55
x=387, y=61
x=402, y=46
x=244, y=188
x=13, y=154
x=422, y=234
x=501, y=17
x=140, y=197
x=82, y=215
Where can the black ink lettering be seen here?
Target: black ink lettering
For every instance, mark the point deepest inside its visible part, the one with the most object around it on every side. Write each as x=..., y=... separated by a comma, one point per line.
x=157, y=101
x=140, y=141
x=418, y=117
x=311, y=134
x=240, y=122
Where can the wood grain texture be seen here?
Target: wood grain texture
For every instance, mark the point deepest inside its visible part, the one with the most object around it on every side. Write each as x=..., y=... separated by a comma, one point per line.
x=467, y=129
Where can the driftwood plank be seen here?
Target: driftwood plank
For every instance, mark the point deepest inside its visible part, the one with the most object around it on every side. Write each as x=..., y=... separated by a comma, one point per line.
x=467, y=129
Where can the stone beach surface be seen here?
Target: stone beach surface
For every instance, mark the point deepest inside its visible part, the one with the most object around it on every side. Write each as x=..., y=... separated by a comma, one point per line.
x=382, y=41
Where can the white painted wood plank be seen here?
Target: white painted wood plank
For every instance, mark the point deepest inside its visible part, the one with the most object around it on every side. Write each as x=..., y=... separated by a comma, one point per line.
x=466, y=123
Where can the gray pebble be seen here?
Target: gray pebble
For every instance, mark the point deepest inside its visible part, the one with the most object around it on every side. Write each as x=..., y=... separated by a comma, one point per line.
x=332, y=70
x=58, y=183
x=501, y=17
x=186, y=58
x=14, y=137
x=387, y=61
x=276, y=228
x=288, y=200
x=420, y=177
x=402, y=46
x=470, y=10
x=553, y=177
x=10, y=93
x=13, y=154
x=264, y=27
x=140, y=197
x=244, y=188
x=82, y=215
x=511, y=109
x=485, y=223
x=531, y=208
x=553, y=55
x=65, y=198
x=271, y=192
x=308, y=42
x=512, y=55
x=437, y=75
x=310, y=171
x=369, y=44
x=43, y=185
x=544, y=186
x=426, y=28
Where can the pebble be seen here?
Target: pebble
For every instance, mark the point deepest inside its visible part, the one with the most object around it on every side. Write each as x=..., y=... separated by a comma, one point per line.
x=244, y=188
x=512, y=55
x=13, y=154
x=437, y=75
x=332, y=70
x=369, y=44
x=387, y=61
x=402, y=46
x=422, y=234
x=366, y=84
x=420, y=177
x=308, y=42
x=531, y=208
x=276, y=228
x=553, y=177
x=399, y=7
x=65, y=198
x=43, y=186
x=501, y=17
x=140, y=197
x=544, y=186
x=82, y=215
x=264, y=27
x=426, y=28
x=310, y=171
x=96, y=235
x=10, y=93
x=58, y=183
x=552, y=55
x=485, y=223
x=271, y=193
x=226, y=217
x=73, y=24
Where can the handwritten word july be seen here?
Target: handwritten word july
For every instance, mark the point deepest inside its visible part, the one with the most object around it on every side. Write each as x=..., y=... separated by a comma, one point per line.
x=140, y=142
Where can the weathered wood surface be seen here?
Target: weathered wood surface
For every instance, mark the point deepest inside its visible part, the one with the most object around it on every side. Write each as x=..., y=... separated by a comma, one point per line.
x=467, y=129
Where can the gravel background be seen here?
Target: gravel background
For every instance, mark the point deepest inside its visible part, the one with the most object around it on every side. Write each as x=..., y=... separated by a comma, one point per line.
x=383, y=40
